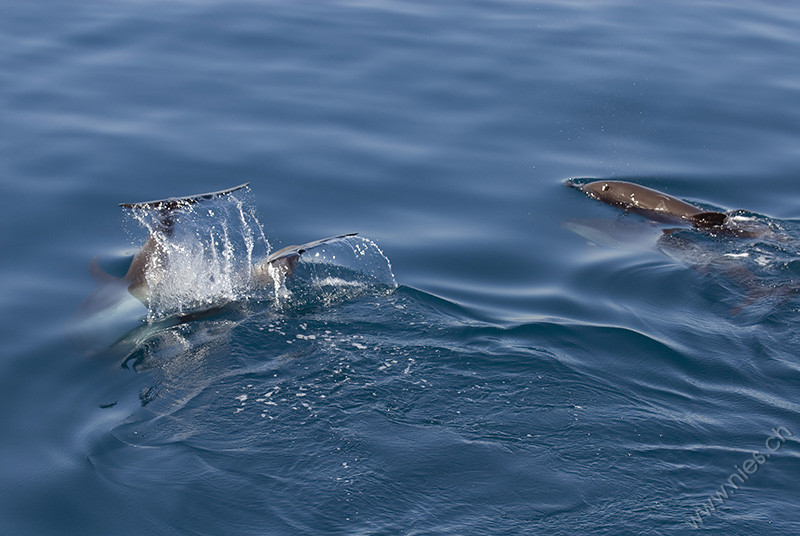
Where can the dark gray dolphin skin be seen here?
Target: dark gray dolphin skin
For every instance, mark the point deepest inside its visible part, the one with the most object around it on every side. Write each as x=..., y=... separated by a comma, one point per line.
x=279, y=264
x=650, y=203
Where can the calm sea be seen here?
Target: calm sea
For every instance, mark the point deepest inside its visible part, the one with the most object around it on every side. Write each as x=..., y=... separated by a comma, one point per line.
x=495, y=353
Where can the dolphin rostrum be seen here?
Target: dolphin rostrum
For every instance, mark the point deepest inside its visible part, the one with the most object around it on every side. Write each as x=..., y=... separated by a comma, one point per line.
x=650, y=203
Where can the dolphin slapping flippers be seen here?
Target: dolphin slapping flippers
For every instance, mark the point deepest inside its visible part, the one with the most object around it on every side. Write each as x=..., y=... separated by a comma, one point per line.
x=158, y=272
x=151, y=255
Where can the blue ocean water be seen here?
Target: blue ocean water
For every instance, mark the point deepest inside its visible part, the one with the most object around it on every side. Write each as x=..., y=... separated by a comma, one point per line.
x=494, y=354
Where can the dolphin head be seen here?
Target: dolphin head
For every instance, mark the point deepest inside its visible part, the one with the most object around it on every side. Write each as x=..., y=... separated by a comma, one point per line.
x=650, y=203
x=615, y=193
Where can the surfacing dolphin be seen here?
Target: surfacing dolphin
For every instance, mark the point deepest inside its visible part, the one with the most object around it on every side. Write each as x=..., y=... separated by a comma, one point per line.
x=769, y=254
x=152, y=254
x=650, y=203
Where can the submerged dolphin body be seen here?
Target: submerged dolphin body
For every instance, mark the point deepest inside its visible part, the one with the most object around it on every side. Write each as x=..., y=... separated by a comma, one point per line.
x=650, y=203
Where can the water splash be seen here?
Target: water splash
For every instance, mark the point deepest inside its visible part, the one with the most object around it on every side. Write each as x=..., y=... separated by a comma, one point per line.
x=337, y=271
x=205, y=259
x=208, y=256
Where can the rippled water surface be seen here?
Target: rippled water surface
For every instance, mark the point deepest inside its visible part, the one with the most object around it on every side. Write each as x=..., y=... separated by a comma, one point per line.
x=494, y=353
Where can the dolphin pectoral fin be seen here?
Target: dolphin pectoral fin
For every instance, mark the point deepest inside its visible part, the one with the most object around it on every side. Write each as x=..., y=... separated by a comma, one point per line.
x=293, y=252
x=173, y=203
x=305, y=247
x=286, y=259
x=708, y=219
x=284, y=252
x=166, y=207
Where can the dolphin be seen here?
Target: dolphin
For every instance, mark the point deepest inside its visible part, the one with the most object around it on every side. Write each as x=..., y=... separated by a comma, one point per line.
x=152, y=255
x=116, y=305
x=650, y=203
